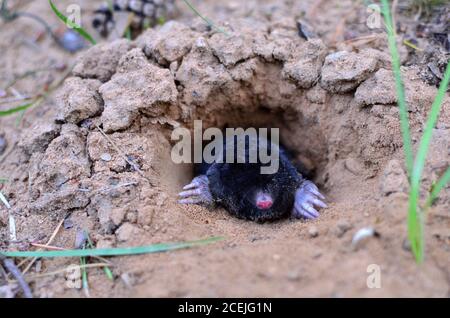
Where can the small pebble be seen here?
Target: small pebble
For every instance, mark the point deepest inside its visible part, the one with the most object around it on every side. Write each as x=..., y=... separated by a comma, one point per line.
x=87, y=123
x=71, y=41
x=200, y=43
x=313, y=231
x=38, y=266
x=61, y=66
x=353, y=166
x=80, y=239
x=68, y=224
x=362, y=236
x=131, y=217
x=106, y=157
x=305, y=31
x=173, y=67
x=128, y=279
x=293, y=276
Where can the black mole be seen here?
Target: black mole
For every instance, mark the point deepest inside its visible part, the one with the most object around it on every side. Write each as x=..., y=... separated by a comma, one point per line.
x=247, y=193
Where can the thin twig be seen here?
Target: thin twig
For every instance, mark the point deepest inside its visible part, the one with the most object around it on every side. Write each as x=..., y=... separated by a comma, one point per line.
x=11, y=220
x=61, y=271
x=12, y=268
x=363, y=38
x=84, y=276
x=418, y=14
x=16, y=93
x=106, y=269
x=339, y=30
x=50, y=240
x=49, y=247
x=14, y=99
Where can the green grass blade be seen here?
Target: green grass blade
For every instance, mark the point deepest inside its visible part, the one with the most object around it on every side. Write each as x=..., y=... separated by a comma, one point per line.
x=108, y=273
x=3, y=180
x=155, y=248
x=419, y=165
x=415, y=229
x=208, y=21
x=404, y=121
x=84, y=276
x=428, y=132
x=414, y=225
x=15, y=109
x=161, y=20
x=106, y=269
x=437, y=188
x=127, y=33
x=415, y=167
x=20, y=118
x=71, y=24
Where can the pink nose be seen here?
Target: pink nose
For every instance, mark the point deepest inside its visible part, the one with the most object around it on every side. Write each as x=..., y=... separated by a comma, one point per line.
x=264, y=204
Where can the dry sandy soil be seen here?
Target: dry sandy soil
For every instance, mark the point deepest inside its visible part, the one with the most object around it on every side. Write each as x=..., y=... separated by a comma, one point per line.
x=332, y=96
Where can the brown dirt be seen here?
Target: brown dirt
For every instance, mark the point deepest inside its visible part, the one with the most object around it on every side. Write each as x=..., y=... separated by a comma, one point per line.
x=335, y=109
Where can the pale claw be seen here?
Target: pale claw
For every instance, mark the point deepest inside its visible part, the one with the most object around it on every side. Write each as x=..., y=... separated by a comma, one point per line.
x=189, y=193
x=197, y=192
x=191, y=185
x=307, y=197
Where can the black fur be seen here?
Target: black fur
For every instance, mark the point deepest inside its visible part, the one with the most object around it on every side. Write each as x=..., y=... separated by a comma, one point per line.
x=234, y=185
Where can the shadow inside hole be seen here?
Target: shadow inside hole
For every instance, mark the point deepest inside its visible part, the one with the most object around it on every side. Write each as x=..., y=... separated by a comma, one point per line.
x=267, y=119
x=303, y=140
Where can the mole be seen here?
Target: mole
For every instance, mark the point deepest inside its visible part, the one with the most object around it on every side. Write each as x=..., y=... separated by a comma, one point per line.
x=247, y=193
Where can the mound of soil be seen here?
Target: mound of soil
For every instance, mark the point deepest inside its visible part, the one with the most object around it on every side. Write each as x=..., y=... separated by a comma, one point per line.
x=103, y=161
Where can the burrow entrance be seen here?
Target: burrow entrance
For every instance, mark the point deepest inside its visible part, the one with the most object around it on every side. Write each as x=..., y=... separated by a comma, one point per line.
x=117, y=111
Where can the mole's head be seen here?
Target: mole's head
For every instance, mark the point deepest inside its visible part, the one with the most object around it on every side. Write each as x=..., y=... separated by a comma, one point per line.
x=249, y=194
x=266, y=198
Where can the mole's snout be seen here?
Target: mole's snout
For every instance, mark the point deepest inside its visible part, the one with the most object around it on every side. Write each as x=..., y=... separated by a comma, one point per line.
x=263, y=201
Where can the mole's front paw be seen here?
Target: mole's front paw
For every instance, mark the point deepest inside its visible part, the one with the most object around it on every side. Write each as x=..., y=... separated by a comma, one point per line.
x=307, y=197
x=197, y=192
